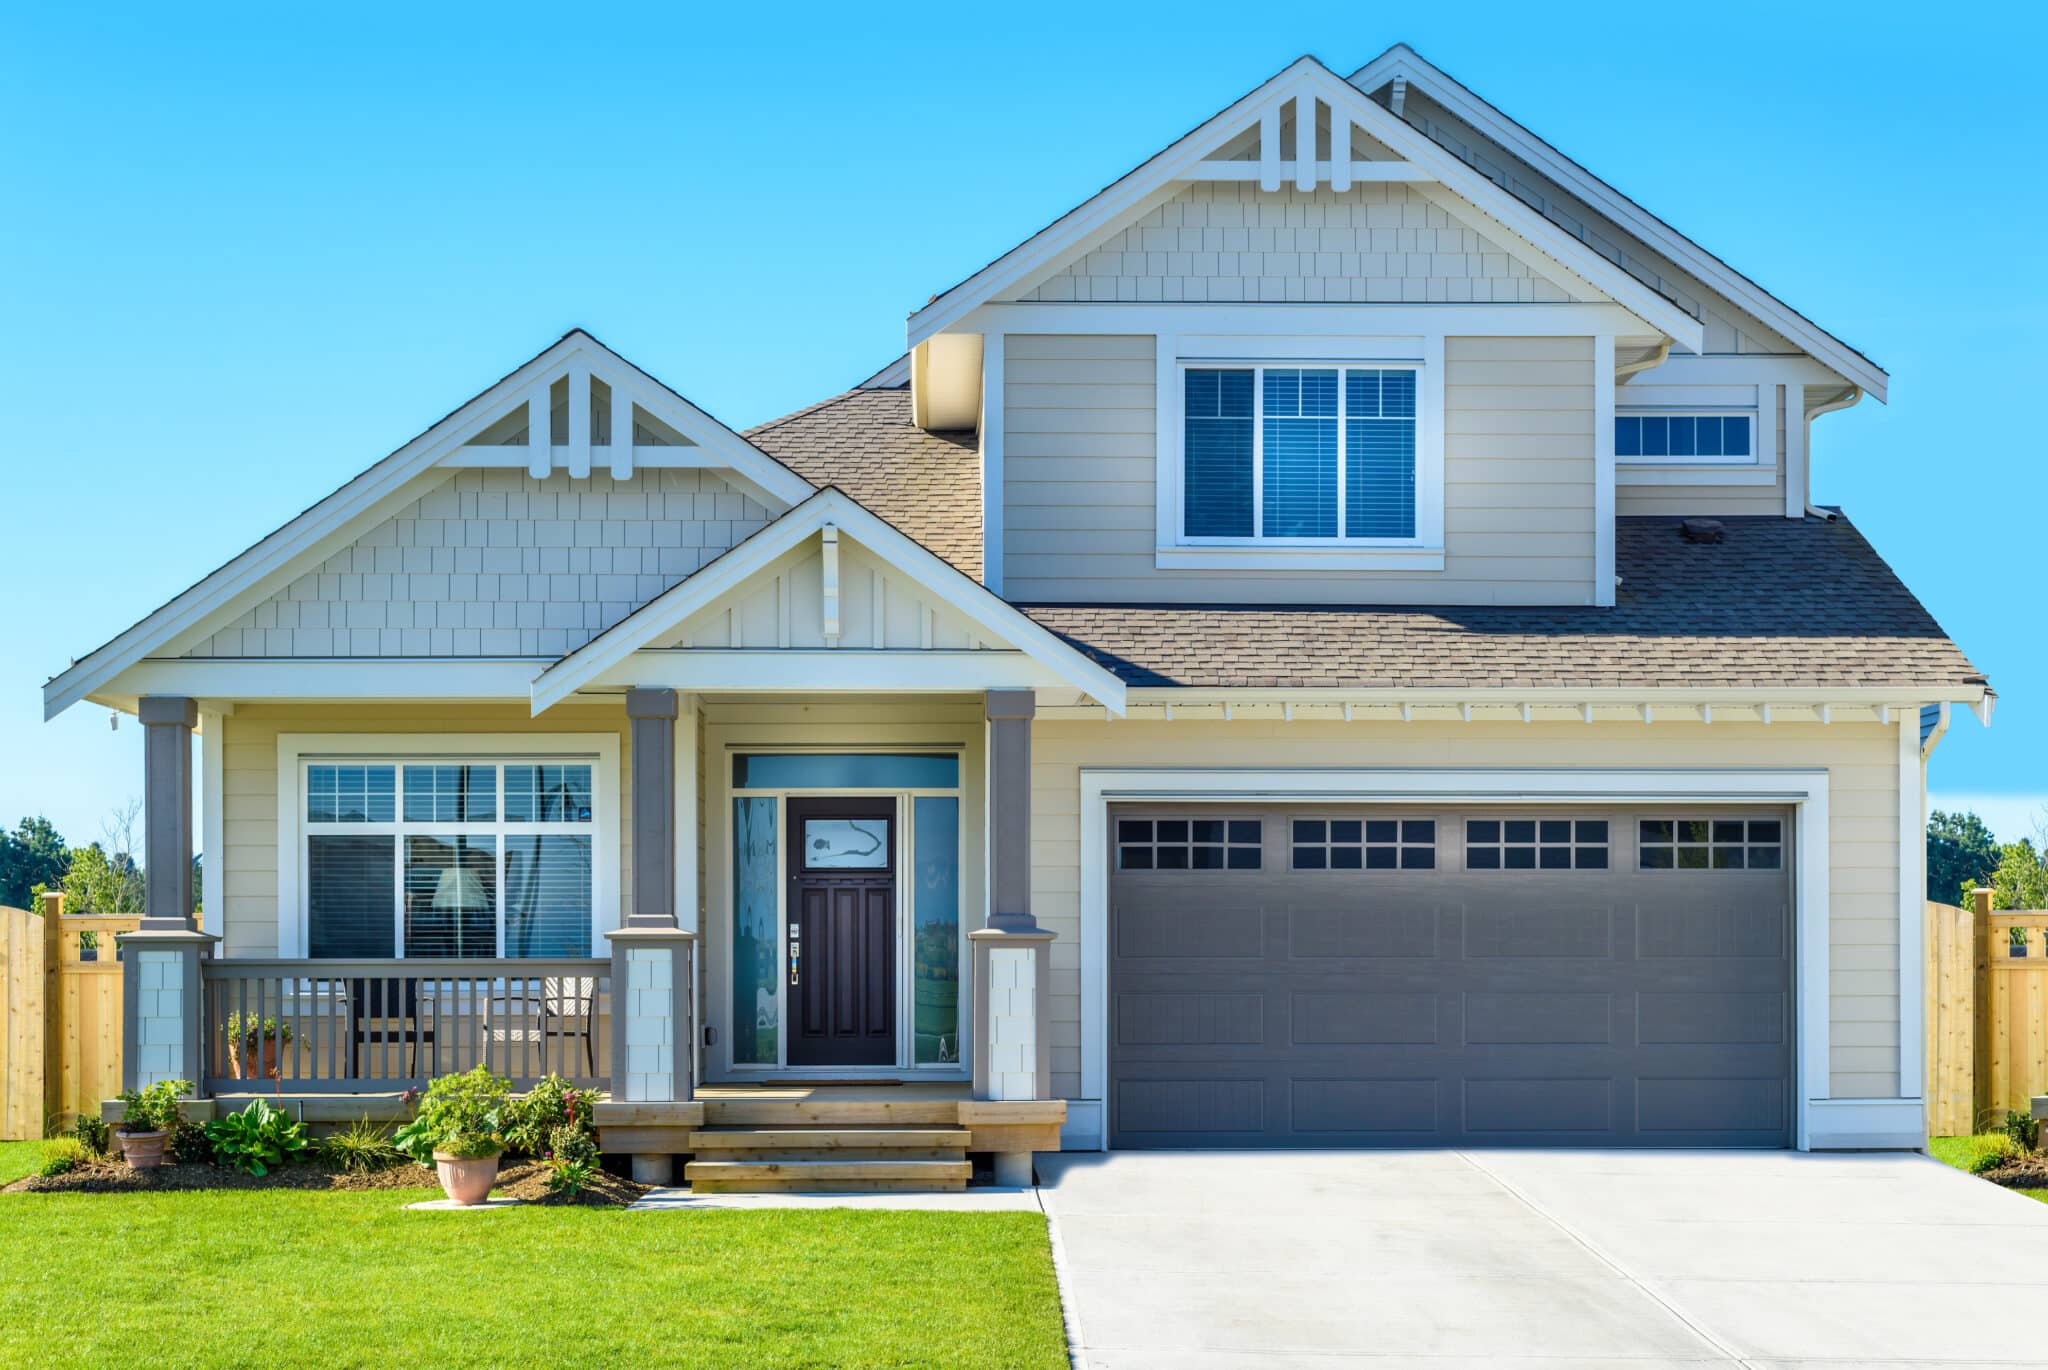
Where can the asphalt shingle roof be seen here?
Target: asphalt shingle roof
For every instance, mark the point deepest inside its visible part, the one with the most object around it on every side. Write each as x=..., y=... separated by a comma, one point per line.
x=1779, y=603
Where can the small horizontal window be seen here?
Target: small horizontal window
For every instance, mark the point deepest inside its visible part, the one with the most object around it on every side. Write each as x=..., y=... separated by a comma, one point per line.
x=1697, y=844
x=1528, y=844
x=1684, y=438
x=351, y=794
x=1188, y=844
x=1349, y=844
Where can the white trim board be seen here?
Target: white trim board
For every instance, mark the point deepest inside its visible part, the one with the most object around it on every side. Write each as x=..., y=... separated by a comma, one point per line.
x=1804, y=789
x=1305, y=79
x=606, y=864
x=1404, y=62
x=389, y=485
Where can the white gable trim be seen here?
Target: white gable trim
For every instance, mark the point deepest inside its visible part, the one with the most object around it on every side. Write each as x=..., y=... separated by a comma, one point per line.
x=612, y=650
x=1306, y=78
x=379, y=492
x=1401, y=61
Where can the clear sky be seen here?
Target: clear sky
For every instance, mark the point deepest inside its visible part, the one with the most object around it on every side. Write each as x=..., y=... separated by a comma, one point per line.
x=248, y=251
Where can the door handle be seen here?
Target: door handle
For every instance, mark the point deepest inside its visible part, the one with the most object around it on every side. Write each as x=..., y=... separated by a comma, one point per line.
x=794, y=950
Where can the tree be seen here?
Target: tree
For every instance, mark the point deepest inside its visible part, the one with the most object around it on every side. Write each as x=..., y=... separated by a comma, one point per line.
x=2021, y=879
x=1961, y=854
x=33, y=854
x=105, y=878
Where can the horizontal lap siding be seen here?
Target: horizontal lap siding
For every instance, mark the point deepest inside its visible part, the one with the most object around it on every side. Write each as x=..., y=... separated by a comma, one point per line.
x=1862, y=765
x=249, y=787
x=1080, y=495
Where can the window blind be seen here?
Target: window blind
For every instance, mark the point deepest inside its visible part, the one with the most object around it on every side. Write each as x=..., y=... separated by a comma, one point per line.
x=1300, y=495
x=1217, y=462
x=1379, y=455
x=547, y=896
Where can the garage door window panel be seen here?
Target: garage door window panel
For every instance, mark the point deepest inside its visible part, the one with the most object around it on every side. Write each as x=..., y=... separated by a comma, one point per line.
x=1349, y=844
x=1188, y=844
x=1528, y=844
x=1698, y=844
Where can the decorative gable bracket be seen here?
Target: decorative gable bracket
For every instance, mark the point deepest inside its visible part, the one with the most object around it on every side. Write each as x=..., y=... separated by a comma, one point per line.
x=1304, y=142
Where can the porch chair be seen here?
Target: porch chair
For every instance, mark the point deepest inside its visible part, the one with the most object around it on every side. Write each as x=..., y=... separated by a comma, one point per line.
x=560, y=1008
x=381, y=1012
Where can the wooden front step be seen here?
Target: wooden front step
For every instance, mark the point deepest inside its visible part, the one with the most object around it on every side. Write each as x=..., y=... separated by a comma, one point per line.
x=828, y=1138
x=825, y=1177
x=780, y=1113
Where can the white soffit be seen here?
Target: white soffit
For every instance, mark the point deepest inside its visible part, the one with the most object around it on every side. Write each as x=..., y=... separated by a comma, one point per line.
x=1306, y=79
x=660, y=618
x=388, y=486
x=1403, y=62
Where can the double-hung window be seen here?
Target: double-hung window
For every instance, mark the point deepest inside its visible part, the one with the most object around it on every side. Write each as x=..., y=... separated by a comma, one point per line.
x=449, y=857
x=1316, y=455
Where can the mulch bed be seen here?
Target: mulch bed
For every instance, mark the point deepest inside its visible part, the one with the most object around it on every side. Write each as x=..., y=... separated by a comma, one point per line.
x=2021, y=1172
x=521, y=1179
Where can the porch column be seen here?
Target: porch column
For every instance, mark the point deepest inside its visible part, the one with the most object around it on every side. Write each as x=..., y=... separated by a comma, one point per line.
x=1012, y=956
x=653, y=964
x=162, y=1030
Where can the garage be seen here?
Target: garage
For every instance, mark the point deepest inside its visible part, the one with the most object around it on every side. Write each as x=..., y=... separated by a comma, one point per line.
x=1385, y=976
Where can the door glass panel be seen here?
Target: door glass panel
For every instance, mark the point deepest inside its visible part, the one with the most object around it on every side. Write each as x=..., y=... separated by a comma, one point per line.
x=936, y=909
x=757, y=946
x=846, y=844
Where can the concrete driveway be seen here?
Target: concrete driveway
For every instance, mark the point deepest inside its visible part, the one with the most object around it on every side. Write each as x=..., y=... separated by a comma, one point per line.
x=1620, y=1260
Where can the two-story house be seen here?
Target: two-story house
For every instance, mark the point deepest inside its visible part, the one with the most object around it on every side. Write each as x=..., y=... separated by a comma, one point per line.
x=1328, y=643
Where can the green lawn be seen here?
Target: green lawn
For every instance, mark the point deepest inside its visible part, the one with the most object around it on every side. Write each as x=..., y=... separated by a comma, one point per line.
x=1960, y=1151
x=350, y=1279
x=18, y=1159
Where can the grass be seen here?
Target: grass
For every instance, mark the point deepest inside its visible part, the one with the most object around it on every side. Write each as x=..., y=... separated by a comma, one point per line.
x=1961, y=1151
x=18, y=1159
x=351, y=1279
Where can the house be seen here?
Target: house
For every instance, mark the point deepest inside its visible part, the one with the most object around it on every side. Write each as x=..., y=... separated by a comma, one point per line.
x=1328, y=643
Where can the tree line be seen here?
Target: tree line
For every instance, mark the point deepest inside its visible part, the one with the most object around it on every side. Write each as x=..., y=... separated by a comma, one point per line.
x=103, y=876
x=1962, y=855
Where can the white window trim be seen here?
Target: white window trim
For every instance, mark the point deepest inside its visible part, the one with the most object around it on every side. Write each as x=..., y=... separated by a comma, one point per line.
x=1176, y=353
x=295, y=749
x=1818, y=1122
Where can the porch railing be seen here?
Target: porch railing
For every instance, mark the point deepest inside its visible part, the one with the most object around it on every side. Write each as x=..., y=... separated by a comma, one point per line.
x=372, y=1026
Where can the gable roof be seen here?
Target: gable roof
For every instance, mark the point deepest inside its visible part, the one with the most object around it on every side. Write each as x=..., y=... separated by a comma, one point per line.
x=1781, y=603
x=1306, y=77
x=386, y=487
x=1403, y=61
x=926, y=484
x=668, y=611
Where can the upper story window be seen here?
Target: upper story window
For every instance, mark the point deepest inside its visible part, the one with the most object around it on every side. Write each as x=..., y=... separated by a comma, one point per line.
x=1685, y=438
x=1299, y=454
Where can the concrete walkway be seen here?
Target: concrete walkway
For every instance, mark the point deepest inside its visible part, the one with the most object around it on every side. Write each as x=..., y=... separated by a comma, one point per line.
x=1616, y=1260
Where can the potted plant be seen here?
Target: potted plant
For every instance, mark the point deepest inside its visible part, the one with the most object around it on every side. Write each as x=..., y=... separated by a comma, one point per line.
x=461, y=1124
x=2015, y=941
x=88, y=945
x=253, y=1044
x=148, y=1117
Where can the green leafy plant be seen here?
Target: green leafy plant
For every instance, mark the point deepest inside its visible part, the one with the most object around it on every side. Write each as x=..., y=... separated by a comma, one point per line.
x=361, y=1148
x=62, y=1155
x=567, y=1179
x=460, y=1115
x=252, y=1029
x=2023, y=1130
x=552, y=1103
x=189, y=1145
x=257, y=1138
x=93, y=1134
x=152, y=1110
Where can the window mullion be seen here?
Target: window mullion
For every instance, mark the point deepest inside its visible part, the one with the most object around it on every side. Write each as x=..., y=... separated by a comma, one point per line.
x=1258, y=452
x=1343, y=528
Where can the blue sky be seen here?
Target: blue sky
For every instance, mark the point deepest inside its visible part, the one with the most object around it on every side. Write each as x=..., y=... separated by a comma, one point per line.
x=252, y=250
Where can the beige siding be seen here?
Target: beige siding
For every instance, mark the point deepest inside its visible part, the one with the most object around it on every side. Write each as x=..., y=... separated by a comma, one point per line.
x=1233, y=242
x=496, y=563
x=1080, y=499
x=249, y=787
x=1862, y=765
x=1680, y=501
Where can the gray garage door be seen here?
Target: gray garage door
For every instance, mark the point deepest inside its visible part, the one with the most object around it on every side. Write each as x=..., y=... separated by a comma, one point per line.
x=1345, y=977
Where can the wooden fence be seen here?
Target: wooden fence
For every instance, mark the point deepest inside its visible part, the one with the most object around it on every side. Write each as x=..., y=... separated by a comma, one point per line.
x=1987, y=1013
x=61, y=1050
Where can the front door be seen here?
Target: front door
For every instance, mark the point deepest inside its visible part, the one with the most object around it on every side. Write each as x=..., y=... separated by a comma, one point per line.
x=841, y=857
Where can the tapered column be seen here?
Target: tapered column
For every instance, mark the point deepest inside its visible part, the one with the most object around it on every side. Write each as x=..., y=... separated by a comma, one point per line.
x=653, y=716
x=162, y=1029
x=1012, y=956
x=1009, y=809
x=167, y=724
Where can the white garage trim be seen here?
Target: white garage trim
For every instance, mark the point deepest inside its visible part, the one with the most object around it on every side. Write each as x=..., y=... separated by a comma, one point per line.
x=1806, y=790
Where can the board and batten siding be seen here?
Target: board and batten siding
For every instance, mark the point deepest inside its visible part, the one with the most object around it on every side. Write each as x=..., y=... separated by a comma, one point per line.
x=1080, y=496
x=1863, y=876
x=496, y=563
x=249, y=924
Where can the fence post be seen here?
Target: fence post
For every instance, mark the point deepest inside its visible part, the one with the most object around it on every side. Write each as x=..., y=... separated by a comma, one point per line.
x=1981, y=1085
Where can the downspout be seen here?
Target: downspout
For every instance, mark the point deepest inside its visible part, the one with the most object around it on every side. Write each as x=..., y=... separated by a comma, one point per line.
x=1655, y=359
x=1842, y=401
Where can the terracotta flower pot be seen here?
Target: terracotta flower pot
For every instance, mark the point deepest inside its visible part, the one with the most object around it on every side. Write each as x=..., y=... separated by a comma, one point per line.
x=143, y=1150
x=466, y=1179
x=249, y=1063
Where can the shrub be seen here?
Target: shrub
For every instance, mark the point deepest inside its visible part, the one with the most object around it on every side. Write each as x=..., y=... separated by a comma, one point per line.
x=94, y=1135
x=253, y=1029
x=361, y=1148
x=567, y=1178
x=552, y=1103
x=62, y=1155
x=152, y=1110
x=257, y=1138
x=189, y=1145
x=571, y=1145
x=460, y=1115
x=2023, y=1130
x=1992, y=1152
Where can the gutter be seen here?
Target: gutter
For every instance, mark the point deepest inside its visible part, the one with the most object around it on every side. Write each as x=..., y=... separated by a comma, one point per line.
x=1845, y=400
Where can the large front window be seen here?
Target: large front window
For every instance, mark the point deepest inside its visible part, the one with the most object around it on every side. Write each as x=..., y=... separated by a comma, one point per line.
x=1299, y=454
x=455, y=858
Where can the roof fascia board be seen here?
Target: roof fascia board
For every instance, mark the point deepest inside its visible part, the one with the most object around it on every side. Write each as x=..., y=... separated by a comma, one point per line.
x=669, y=610
x=256, y=678
x=1306, y=76
x=1859, y=696
x=772, y=671
x=1712, y=272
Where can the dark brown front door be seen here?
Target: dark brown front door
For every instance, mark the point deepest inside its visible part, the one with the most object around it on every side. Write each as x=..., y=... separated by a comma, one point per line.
x=842, y=932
